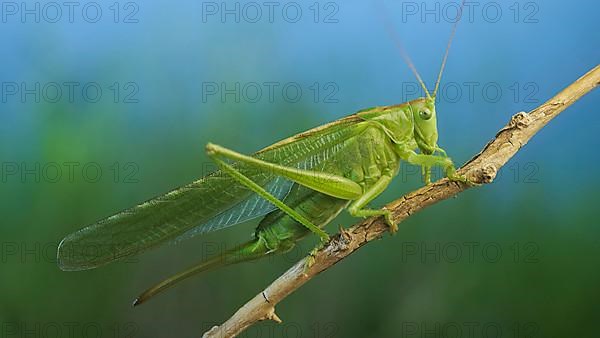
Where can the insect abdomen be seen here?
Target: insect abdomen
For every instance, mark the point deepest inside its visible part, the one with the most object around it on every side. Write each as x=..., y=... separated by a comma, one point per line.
x=281, y=232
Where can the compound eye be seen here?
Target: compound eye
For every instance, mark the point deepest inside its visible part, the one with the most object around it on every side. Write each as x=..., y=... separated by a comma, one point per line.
x=425, y=114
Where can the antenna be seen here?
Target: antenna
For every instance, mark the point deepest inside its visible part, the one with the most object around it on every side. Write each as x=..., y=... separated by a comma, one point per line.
x=394, y=35
x=439, y=78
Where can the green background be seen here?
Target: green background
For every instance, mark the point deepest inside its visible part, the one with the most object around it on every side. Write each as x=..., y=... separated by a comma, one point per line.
x=519, y=256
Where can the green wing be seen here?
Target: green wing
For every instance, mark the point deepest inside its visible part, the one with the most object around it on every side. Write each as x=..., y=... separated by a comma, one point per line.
x=210, y=203
x=250, y=208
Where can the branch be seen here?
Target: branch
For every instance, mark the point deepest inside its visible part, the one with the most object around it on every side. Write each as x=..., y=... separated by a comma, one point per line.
x=480, y=169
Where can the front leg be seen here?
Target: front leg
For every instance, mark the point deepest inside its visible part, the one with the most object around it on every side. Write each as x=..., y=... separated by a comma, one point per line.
x=428, y=161
x=357, y=209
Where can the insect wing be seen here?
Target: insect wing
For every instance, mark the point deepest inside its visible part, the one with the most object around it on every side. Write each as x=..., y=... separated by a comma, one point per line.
x=250, y=208
x=211, y=203
x=163, y=218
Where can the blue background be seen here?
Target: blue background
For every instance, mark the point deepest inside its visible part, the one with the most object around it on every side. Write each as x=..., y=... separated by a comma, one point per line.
x=541, y=212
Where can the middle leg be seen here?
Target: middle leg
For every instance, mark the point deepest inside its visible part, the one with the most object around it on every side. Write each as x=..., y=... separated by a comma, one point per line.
x=357, y=207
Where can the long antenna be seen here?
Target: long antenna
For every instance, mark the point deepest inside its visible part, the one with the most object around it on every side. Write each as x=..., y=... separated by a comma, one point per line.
x=398, y=42
x=439, y=78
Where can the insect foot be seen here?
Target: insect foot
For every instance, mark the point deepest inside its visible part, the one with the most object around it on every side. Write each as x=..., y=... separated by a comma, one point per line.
x=454, y=177
x=324, y=237
x=310, y=259
x=463, y=179
x=389, y=219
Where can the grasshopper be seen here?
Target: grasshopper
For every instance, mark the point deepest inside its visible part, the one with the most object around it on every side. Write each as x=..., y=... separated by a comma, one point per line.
x=298, y=185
